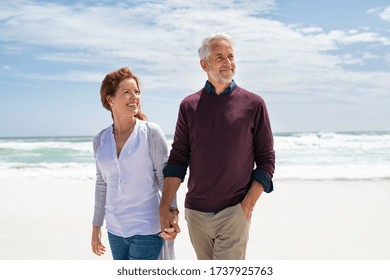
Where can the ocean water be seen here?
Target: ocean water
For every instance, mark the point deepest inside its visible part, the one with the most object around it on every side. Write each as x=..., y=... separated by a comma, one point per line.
x=301, y=156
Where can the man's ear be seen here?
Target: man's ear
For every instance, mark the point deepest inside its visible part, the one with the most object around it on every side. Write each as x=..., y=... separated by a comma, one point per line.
x=204, y=65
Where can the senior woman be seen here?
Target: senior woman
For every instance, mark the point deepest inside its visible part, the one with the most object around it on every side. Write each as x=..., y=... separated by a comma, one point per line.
x=130, y=155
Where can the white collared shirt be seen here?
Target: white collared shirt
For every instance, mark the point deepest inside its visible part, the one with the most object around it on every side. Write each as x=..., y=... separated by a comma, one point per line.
x=128, y=188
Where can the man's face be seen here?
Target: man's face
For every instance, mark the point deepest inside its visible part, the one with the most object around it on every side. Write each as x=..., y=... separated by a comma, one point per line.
x=220, y=65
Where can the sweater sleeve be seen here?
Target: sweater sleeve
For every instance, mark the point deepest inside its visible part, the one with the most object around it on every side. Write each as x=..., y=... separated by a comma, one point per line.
x=158, y=151
x=264, y=149
x=100, y=188
x=179, y=157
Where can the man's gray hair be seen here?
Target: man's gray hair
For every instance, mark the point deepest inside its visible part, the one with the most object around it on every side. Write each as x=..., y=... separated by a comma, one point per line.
x=204, y=49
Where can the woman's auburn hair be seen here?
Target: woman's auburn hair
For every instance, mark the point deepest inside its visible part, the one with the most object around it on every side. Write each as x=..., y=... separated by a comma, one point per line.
x=111, y=83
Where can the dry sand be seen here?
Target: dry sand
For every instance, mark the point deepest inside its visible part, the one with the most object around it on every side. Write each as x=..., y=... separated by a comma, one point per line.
x=46, y=219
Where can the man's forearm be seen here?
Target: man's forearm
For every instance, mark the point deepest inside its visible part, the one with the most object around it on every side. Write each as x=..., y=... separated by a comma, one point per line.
x=168, y=219
x=171, y=185
x=252, y=196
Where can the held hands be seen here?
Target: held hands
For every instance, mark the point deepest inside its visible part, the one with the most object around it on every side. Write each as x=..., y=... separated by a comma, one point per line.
x=169, y=220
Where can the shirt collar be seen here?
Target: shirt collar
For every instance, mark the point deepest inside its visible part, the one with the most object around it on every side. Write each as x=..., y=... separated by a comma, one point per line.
x=209, y=88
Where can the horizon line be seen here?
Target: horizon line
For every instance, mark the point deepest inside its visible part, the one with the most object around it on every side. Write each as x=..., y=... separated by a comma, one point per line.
x=279, y=133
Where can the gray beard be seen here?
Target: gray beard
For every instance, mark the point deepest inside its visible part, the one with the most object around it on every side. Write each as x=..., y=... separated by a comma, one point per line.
x=220, y=79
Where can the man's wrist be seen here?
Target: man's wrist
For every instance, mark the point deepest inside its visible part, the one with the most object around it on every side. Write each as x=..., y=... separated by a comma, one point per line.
x=174, y=210
x=165, y=207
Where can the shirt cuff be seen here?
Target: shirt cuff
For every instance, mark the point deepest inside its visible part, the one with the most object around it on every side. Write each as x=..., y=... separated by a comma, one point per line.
x=261, y=177
x=175, y=171
x=98, y=217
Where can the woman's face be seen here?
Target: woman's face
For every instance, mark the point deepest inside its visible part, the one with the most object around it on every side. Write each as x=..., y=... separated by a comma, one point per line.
x=126, y=100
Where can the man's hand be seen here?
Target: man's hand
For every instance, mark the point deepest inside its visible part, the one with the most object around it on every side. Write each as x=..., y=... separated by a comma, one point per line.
x=249, y=202
x=169, y=220
x=248, y=209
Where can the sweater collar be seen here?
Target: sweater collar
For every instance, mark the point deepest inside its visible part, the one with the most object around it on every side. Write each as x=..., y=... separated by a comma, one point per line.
x=209, y=88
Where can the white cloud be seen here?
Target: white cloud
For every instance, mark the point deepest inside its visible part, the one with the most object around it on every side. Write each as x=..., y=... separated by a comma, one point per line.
x=387, y=58
x=159, y=40
x=353, y=37
x=385, y=15
x=349, y=59
x=353, y=31
x=372, y=11
x=368, y=55
x=72, y=76
x=308, y=30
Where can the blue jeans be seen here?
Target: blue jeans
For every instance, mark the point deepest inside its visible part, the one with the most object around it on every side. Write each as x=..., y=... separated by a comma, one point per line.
x=137, y=247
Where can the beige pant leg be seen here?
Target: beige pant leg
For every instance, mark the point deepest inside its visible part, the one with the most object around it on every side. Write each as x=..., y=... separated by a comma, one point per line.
x=198, y=225
x=221, y=236
x=231, y=231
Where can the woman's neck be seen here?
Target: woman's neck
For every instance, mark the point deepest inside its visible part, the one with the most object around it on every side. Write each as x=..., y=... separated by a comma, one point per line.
x=124, y=125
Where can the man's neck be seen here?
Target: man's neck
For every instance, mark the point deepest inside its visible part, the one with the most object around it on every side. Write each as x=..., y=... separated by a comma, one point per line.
x=209, y=87
x=219, y=88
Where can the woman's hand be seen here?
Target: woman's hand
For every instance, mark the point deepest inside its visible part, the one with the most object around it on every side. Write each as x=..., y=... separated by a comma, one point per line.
x=96, y=243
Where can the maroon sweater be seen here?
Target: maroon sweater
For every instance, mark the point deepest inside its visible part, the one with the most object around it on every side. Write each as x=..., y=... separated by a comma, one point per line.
x=220, y=137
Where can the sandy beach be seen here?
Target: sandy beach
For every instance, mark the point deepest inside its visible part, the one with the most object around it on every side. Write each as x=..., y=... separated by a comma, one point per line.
x=50, y=219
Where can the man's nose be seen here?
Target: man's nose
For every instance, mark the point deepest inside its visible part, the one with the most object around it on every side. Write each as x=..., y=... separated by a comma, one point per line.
x=227, y=61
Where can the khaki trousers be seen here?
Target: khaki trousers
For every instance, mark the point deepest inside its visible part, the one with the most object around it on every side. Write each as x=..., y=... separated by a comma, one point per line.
x=221, y=236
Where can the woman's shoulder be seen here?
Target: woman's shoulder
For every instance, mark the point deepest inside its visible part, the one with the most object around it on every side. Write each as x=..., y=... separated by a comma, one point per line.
x=99, y=137
x=102, y=132
x=154, y=132
x=150, y=126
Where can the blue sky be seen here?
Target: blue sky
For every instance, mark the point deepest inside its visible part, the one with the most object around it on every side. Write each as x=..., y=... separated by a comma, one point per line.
x=319, y=65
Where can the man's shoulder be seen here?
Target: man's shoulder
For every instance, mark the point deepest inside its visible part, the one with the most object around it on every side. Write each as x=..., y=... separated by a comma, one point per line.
x=248, y=95
x=193, y=97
